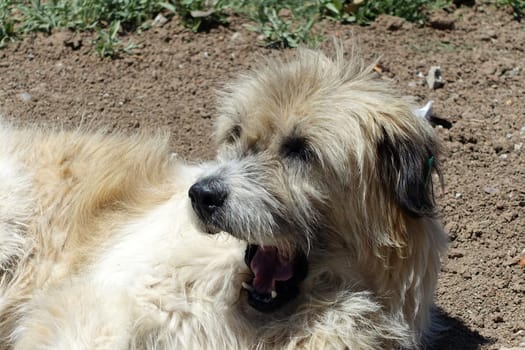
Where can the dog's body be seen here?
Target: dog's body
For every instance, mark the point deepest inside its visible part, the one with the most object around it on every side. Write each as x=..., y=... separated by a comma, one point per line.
x=320, y=168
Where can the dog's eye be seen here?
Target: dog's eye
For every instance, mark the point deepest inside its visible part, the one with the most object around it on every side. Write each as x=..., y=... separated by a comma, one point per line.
x=234, y=134
x=297, y=148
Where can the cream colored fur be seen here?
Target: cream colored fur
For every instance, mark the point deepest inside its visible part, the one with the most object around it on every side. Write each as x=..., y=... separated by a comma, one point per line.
x=100, y=249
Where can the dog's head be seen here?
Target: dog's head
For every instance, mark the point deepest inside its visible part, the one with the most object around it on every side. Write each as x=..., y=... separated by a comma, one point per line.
x=314, y=154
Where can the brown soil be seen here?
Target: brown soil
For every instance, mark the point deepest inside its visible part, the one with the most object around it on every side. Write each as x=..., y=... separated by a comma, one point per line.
x=56, y=80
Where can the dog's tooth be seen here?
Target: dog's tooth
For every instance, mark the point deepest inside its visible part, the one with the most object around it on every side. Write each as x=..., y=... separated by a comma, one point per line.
x=274, y=294
x=247, y=287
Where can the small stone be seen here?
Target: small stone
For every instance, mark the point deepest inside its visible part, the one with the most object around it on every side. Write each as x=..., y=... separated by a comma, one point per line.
x=490, y=190
x=237, y=36
x=389, y=22
x=488, y=35
x=488, y=68
x=434, y=78
x=456, y=253
x=159, y=21
x=464, y=272
x=510, y=216
x=497, y=319
x=451, y=227
x=479, y=321
x=202, y=14
x=518, y=146
x=73, y=41
x=514, y=72
x=26, y=97
x=442, y=21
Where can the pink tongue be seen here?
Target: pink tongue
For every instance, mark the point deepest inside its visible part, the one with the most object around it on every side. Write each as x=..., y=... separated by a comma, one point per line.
x=269, y=267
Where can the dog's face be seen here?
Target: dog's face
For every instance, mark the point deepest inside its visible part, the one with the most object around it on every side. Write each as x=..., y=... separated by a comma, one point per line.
x=313, y=154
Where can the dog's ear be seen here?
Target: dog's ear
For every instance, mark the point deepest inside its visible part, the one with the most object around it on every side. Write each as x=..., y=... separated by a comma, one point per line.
x=406, y=168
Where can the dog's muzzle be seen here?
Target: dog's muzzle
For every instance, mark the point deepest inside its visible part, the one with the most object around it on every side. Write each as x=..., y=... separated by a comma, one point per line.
x=207, y=196
x=275, y=274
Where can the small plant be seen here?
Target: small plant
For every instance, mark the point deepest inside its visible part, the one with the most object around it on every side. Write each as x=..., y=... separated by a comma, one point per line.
x=411, y=10
x=518, y=8
x=286, y=23
x=7, y=22
x=197, y=14
x=107, y=43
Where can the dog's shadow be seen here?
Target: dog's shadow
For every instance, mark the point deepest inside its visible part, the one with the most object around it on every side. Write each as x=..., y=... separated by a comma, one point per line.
x=456, y=335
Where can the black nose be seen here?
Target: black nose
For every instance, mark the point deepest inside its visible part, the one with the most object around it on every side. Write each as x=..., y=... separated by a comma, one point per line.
x=207, y=196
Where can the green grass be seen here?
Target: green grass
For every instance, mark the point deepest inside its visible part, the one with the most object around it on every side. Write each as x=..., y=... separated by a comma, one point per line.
x=518, y=7
x=282, y=23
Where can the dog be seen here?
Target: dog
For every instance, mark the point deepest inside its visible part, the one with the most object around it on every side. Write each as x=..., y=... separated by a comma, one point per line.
x=314, y=228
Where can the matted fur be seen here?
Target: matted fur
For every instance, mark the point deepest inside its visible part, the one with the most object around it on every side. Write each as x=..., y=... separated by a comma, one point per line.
x=101, y=250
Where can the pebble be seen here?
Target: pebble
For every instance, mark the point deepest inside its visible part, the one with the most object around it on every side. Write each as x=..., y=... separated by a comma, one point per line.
x=389, y=22
x=26, y=97
x=159, y=21
x=434, y=78
x=490, y=190
x=237, y=36
x=442, y=21
x=451, y=227
x=456, y=253
x=488, y=35
x=510, y=216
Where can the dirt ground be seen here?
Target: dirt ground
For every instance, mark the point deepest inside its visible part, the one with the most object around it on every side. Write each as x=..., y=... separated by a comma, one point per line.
x=56, y=80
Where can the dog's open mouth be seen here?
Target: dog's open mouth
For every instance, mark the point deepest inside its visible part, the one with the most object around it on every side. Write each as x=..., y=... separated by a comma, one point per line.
x=276, y=277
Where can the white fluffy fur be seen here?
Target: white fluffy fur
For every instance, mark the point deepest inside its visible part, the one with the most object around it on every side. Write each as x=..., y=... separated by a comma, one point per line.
x=15, y=208
x=100, y=249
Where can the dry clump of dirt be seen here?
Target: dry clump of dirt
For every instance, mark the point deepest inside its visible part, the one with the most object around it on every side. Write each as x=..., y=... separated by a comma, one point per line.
x=170, y=85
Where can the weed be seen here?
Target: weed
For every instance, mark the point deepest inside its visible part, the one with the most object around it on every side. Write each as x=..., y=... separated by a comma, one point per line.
x=197, y=14
x=282, y=23
x=7, y=22
x=85, y=14
x=411, y=10
x=107, y=43
x=286, y=23
x=518, y=7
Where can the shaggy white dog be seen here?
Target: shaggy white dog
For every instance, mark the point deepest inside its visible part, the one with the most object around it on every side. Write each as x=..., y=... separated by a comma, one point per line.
x=321, y=191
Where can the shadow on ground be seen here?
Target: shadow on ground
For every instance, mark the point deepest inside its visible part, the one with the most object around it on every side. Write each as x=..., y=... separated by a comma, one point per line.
x=456, y=335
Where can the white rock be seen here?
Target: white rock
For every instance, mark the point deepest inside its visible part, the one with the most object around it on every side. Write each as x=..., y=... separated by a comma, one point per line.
x=26, y=97
x=434, y=78
x=159, y=21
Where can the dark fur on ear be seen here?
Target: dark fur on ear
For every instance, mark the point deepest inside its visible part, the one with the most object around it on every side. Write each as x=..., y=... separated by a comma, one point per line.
x=406, y=170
